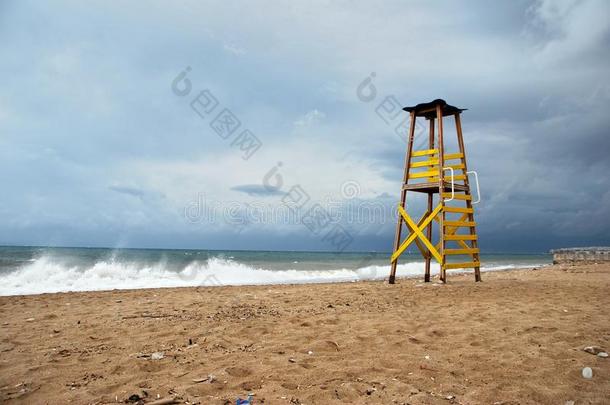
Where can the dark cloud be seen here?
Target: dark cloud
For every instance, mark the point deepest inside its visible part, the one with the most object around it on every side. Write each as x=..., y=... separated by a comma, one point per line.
x=258, y=190
x=532, y=74
x=138, y=192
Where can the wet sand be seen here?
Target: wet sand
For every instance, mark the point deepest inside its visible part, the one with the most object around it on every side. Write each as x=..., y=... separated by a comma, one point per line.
x=515, y=338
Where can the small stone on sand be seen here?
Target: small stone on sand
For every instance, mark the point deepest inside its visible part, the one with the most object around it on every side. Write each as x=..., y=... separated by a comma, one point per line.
x=587, y=373
x=593, y=349
x=157, y=356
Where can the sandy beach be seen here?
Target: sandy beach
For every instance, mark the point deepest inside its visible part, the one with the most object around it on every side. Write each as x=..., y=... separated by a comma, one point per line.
x=515, y=338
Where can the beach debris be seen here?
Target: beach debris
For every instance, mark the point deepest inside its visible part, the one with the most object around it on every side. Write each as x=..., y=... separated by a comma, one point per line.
x=587, y=373
x=164, y=401
x=64, y=352
x=210, y=378
x=425, y=367
x=30, y=320
x=310, y=352
x=602, y=354
x=593, y=349
x=157, y=356
x=247, y=401
x=427, y=357
x=135, y=398
x=19, y=390
x=450, y=397
x=292, y=360
x=413, y=339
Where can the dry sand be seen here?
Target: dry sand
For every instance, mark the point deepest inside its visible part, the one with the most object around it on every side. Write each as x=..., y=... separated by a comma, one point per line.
x=516, y=338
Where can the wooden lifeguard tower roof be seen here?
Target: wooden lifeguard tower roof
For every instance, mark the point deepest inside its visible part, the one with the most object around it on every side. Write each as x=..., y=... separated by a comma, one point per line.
x=428, y=110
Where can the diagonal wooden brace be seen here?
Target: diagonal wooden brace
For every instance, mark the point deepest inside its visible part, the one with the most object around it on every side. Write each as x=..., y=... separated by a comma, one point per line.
x=416, y=232
x=420, y=246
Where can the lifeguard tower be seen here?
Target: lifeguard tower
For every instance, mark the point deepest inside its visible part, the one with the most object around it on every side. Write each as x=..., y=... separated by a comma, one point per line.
x=444, y=177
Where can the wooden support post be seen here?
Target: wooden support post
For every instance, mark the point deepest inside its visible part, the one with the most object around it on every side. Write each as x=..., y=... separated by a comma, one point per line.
x=403, y=196
x=441, y=188
x=430, y=202
x=475, y=244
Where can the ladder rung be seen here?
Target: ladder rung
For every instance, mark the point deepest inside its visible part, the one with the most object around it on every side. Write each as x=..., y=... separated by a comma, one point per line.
x=450, y=156
x=468, y=251
x=458, y=209
x=456, y=167
x=458, y=196
x=425, y=152
x=460, y=237
x=425, y=163
x=434, y=163
x=455, y=224
x=447, y=178
x=420, y=175
x=461, y=265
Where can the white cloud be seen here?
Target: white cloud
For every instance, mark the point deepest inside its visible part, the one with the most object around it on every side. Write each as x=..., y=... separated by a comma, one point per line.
x=310, y=118
x=235, y=50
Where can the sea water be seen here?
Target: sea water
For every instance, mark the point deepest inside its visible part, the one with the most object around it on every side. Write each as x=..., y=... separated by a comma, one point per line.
x=35, y=270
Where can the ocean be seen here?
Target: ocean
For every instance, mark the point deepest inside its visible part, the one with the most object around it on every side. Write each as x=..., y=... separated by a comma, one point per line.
x=36, y=270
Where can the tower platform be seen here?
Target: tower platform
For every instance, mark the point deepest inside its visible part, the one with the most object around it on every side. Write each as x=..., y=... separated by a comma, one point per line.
x=431, y=188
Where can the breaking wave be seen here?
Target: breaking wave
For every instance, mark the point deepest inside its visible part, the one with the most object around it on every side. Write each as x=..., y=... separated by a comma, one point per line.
x=47, y=275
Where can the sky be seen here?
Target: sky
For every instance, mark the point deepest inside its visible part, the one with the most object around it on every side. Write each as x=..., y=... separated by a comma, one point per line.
x=225, y=125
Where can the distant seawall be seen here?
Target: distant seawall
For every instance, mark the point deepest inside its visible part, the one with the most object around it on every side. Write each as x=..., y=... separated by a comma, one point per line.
x=581, y=255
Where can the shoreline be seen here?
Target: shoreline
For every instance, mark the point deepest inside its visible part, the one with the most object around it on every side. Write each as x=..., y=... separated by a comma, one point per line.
x=434, y=275
x=516, y=337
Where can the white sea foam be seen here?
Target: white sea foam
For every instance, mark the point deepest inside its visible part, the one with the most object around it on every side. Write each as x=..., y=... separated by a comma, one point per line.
x=45, y=275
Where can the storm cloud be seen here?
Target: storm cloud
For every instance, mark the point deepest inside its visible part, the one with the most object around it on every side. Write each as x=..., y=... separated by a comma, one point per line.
x=87, y=111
